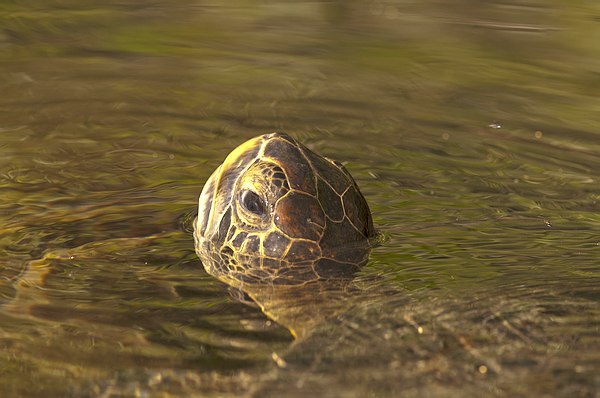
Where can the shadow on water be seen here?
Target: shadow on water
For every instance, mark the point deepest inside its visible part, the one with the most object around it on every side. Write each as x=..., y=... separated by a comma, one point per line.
x=472, y=130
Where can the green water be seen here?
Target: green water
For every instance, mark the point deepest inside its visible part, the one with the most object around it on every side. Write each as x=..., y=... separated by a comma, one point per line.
x=472, y=128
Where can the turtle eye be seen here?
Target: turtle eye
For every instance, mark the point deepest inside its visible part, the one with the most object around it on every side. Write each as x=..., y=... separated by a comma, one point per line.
x=252, y=202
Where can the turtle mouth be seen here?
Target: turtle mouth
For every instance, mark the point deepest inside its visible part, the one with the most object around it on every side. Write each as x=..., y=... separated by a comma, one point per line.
x=205, y=203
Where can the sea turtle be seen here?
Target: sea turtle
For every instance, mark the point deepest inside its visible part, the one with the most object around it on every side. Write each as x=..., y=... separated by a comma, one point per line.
x=276, y=212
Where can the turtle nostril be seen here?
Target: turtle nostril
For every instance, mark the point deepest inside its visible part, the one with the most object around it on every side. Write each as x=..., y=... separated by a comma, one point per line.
x=252, y=202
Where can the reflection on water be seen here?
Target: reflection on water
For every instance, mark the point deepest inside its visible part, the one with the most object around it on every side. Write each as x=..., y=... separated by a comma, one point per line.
x=471, y=128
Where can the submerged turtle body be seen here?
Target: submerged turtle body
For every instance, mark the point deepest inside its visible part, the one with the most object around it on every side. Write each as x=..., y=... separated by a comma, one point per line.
x=276, y=212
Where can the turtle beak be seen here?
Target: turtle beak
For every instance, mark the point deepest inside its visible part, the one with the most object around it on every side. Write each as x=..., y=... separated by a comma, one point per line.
x=205, y=203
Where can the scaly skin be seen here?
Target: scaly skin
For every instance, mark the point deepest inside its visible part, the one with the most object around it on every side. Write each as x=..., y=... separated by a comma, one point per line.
x=275, y=212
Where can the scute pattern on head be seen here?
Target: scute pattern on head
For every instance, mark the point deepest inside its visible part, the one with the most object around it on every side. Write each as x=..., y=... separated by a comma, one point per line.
x=284, y=151
x=276, y=212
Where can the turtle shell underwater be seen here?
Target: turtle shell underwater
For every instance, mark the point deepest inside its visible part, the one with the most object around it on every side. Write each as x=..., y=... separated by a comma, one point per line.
x=276, y=212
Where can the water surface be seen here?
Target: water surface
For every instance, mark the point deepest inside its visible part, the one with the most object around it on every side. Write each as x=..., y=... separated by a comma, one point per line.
x=472, y=129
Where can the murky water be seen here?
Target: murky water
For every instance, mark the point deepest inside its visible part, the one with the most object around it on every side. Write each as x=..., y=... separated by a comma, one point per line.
x=473, y=129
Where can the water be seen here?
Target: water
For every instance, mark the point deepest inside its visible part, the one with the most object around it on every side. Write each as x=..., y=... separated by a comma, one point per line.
x=471, y=128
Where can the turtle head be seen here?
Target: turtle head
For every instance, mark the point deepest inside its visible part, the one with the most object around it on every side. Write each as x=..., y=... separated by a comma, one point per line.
x=276, y=212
